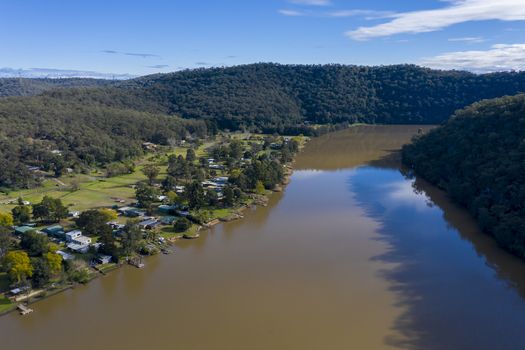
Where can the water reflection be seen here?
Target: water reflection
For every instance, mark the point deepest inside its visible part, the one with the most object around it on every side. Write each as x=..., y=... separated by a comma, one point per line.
x=449, y=297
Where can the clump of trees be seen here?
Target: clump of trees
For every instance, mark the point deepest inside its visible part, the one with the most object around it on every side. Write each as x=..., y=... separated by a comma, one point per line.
x=50, y=210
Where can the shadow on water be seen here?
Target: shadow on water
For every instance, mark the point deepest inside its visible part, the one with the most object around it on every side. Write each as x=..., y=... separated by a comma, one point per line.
x=456, y=288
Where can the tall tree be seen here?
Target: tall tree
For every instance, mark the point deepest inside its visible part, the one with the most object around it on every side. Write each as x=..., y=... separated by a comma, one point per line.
x=18, y=266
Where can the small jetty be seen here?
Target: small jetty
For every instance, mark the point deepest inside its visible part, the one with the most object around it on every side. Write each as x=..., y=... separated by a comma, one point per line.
x=24, y=310
x=137, y=262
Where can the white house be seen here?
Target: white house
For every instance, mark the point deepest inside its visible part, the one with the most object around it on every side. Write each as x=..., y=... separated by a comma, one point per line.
x=82, y=240
x=72, y=235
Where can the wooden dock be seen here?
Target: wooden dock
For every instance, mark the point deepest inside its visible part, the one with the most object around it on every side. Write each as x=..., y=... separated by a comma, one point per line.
x=24, y=310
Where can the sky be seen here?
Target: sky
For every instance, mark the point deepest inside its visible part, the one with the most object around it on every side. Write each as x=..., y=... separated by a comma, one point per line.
x=126, y=38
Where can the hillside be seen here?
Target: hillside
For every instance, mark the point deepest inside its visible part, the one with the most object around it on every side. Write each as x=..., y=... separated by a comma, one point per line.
x=96, y=125
x=53, y=134
x=478, y=157
x=30, y=87
x=271, y=96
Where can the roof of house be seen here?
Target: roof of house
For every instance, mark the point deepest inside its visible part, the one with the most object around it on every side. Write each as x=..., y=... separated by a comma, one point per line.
x=83, y=240
x=23, y=229
x=148, y=222
x=168, y=219
x=74, y=233
x=53, y=229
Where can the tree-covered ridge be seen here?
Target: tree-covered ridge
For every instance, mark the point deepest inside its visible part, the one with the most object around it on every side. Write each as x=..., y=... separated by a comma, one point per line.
x=478, y=157
x=53, y=134
x=30, y=87
x=272, y=96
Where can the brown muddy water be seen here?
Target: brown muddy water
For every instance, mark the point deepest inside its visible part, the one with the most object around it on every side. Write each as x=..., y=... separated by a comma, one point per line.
x=352, y=255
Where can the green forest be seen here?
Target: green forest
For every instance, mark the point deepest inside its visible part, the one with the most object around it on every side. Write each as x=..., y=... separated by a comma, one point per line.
x=478, y=158
x=81, y=123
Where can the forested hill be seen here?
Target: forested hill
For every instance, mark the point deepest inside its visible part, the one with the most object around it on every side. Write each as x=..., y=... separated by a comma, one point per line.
x=31, y=87
x=269, y=96
x=51, y=134
x=92, y=125
x=478, y=157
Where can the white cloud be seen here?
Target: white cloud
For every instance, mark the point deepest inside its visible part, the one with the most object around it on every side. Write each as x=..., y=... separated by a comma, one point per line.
x=501, y=57
x=311, y=2
x=456, y=11
x=368, y=14
x=58, y=73
x=469, y=39
x=291, y=13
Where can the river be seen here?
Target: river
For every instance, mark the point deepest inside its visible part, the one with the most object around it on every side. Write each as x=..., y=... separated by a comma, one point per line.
x=352, y=255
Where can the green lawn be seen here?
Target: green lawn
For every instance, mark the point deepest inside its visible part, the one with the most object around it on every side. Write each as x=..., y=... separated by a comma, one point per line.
x=5, y=304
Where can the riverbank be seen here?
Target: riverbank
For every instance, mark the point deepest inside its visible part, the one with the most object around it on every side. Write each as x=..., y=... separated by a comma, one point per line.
x=217, y=216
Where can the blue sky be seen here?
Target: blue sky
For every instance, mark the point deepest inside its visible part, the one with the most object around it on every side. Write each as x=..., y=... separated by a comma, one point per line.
x=51, y=37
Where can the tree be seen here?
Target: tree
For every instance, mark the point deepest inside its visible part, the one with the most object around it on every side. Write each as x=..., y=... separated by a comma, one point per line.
x=146, y=195
x=229, y=197
x=182, y=225
x=169, y=183
x=259, y=187
x=21, y=214
x=236, y=149
x=36, y=244
x=190, y=155
x=77, y=271
x=18, y=266
x=6, y=220
x=5, y=241
x=108, y=214
x=195, y=195
x=92, y=221
x=151, y=171
x=131, y=237
x=54, y=261
x=41, y=272
x=108, y=242
x=50, y=209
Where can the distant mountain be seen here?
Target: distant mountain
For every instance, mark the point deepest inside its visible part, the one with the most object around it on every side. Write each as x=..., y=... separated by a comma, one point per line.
x=478, y=157
x=30, y=87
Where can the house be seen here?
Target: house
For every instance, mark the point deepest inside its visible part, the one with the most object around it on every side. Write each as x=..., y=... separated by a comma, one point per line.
x=131, y=212
x=216, y=166
x=149, y=224
x=83, y=240
x=183, y=213
x=65, y=256
x=149, y=146
x=221, y=179
x=167, y=209
x=55, y=231
x=72, y=235
x=103, y=259
x=168, y=220
x=78, y=248
x=115, y=225
x=74, y=214
x=20, y=230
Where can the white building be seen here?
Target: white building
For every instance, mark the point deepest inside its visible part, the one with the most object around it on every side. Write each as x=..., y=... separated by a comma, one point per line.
x=72, y=235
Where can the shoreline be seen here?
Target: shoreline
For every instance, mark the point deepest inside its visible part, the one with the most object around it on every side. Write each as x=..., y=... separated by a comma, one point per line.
x=258, y=200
